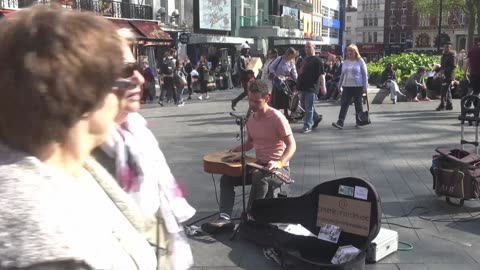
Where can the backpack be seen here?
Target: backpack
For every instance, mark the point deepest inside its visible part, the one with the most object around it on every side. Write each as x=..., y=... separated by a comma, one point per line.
x=167, y=67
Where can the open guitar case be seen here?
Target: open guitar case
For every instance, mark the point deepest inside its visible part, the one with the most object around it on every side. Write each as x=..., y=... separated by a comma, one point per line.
x=307, y=252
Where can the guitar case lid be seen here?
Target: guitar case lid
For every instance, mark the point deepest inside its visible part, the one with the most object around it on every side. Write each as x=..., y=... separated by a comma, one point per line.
x=349, y=203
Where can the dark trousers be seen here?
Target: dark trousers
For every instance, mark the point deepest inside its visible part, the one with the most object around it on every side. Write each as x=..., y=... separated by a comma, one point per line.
x=414, y=90
x=446, y=92
x=149, y=91
x=168, y=89
x=347, y=95
x=263, y=185
x=189, y=85
x=243, y=94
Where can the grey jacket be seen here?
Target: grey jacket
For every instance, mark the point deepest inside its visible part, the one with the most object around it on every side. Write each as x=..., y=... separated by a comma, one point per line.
x=48, y=220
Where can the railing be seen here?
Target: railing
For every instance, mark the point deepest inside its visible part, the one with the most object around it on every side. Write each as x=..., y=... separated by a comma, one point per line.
x=101, y=7
x=287, y=22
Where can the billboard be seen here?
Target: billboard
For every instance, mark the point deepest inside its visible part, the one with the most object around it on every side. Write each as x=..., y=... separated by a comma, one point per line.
x=215, y=14
x=307, y=21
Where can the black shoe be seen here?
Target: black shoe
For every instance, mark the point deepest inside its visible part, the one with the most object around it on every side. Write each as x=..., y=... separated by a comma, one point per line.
x=189, y=98
x=337, y=125
x=315, y=124
x=233, y=106
x=218, y=225
x=160, y=103
x=440, y=107
x=449, y=107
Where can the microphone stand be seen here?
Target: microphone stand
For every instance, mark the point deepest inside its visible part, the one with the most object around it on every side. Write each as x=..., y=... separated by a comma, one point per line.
x=241, y=121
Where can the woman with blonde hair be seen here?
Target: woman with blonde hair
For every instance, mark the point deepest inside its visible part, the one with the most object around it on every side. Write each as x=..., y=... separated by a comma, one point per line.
x=283, y=66
x=353, y=83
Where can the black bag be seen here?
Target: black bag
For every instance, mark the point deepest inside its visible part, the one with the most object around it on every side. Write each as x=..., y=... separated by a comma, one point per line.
x=168, y=66
x=306, y=252
x=363, y=118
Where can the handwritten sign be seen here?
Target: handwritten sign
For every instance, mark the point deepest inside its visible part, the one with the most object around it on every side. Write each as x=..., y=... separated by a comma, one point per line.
x=352, y=216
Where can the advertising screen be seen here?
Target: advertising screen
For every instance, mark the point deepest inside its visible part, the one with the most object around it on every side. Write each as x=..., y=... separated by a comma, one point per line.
x=215, y=14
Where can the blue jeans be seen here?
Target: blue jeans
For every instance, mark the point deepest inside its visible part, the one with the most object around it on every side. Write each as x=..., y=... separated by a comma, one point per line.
x=307, y=99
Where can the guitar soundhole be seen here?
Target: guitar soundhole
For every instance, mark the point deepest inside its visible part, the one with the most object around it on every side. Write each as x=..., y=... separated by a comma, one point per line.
x=231, y=158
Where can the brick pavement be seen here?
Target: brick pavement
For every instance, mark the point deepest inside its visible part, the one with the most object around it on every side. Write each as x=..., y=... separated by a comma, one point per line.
x=394, y=153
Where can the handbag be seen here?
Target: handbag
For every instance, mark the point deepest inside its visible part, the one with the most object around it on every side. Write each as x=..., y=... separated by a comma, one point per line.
x=363, y=118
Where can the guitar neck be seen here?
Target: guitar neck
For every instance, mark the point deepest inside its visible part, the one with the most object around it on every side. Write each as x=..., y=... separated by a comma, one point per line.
x=284, y=178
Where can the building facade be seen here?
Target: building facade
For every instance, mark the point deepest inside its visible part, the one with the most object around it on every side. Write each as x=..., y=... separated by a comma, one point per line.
x=370, y=28
x=350, y=36
x=399, y=22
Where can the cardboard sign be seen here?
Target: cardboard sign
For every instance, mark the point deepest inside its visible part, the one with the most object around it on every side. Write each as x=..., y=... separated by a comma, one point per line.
x=352, y=216
x=254, y=64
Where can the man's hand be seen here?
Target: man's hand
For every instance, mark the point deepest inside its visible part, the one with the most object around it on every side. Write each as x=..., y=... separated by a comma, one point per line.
x=340, y=89
x=274, y=164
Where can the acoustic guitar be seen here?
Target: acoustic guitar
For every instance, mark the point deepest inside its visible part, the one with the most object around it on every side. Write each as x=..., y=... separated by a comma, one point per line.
x=229, y=163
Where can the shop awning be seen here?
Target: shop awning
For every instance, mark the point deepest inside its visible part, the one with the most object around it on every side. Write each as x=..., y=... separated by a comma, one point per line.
x=125, y=24
x=6, y=12
x=151, y=30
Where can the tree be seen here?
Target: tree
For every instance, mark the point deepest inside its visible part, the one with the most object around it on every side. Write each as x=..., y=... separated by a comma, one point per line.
x=471, y=8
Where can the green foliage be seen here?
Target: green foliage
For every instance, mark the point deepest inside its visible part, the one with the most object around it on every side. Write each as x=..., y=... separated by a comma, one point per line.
x=432, y=7
x=459, y=74
x=404, y=65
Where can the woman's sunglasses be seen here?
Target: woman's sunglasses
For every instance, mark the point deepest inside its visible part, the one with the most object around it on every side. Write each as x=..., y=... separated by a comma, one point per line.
x=129, y=69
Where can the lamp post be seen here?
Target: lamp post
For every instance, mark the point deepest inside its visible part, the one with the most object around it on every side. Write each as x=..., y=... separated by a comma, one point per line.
x=440, y=26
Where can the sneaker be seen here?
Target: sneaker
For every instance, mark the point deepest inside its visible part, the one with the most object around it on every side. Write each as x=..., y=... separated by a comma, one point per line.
x=306, y=130
x=440, y=107
x=189, y=98
x=427, y=99
x=415, y=100
x=337, y=125
x=199, y=97
x=233, y=106
x=449, y=107
x=160, y=103
x=218, y=225
x=273, y=255
x=207, y=97
x=181, y=104
x=315, y=124
x=394, y=101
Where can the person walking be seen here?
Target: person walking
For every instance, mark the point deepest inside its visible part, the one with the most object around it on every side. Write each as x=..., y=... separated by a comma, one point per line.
x=244, y=76
x=167, y=68
x=283, y=66
x=311, y=75
x=188, y=67
x=272, y=55
x=447, y=67
x=353, y=83
x=149, y=85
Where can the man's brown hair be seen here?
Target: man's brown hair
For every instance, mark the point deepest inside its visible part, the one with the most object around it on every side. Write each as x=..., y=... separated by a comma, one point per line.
x=55, y=66
x=259, y=86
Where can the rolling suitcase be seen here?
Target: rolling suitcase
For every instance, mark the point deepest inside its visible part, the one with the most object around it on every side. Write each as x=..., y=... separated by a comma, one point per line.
x=351, y=204
x=456, y=172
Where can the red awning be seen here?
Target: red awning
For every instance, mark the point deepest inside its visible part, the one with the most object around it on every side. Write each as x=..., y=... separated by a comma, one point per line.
x=7, y=12
x=151, y=30
x=125, y=24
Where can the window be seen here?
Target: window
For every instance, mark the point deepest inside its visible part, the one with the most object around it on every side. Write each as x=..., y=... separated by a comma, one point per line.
x=324, y=31
x=403, y=19
x=393, y=20
x=348, y=42
x=370, y=37
x=349, y=18
x=391, y=38
x=393, y=5
x=403, y=37
x=370, y=20
x=325, y=11
x=336, y=14
x=375, y=37
x=348, y=29
x=404, y=4
x=461, y=18
x=375, y=20
x=365, y=20
x=333, y=33
x=424, y=20
x=364, y=38
x=445, y=17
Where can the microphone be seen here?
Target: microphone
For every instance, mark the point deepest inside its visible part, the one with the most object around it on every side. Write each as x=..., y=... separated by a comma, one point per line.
x=237, y=116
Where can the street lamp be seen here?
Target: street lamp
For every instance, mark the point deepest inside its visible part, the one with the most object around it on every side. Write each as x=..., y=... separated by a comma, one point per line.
x=439, y=26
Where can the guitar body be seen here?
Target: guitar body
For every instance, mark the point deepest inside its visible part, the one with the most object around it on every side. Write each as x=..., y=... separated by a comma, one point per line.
x=228, y=163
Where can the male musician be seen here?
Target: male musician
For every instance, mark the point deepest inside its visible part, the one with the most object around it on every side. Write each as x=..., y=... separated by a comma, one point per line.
x=269, y=133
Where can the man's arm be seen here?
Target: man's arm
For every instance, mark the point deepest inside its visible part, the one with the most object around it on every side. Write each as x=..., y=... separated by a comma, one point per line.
x=287, y=154
x=323, y=89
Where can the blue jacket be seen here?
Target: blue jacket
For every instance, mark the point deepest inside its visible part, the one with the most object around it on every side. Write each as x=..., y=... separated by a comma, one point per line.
x=357, y=70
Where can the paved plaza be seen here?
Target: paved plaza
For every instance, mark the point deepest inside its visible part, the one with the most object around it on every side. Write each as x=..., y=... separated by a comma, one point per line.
x=394, y=153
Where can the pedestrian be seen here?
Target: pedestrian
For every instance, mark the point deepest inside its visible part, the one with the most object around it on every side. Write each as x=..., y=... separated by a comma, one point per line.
x=472, y=67
x=167, y=69
x=244, y=76
x=149, y=85
x=203, y=74
x=53, y=215
x=283, y=68
x=188, y=67
x=353, y=83
x=447, y=68
x=180, y=81
x=311, y=77
x=272, y=55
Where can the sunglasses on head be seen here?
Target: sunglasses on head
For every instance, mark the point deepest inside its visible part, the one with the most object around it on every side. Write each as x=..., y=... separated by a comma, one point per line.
x=129, y=69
